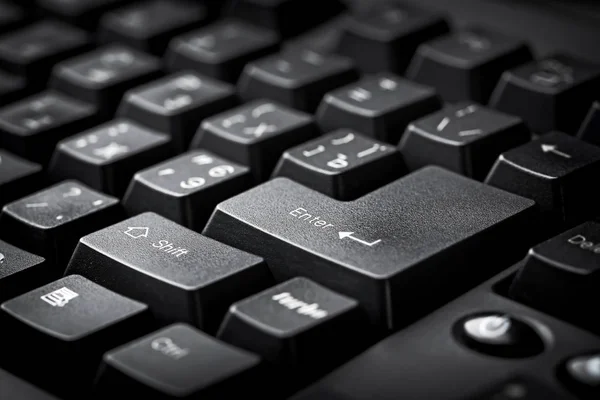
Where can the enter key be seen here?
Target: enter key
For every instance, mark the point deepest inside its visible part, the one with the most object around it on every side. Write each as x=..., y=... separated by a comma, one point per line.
x=401, y=251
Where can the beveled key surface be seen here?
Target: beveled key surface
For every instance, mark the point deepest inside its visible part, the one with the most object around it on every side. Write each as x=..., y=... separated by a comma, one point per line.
x=411, y=242
x=180, y=362
x=180, y=274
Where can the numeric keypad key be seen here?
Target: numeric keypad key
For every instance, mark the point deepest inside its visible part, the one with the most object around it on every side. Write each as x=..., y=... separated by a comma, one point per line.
x=557, y=171
x=181, y=362
x=221, y=50
x=466, y=138
x=50, y=222
x=296, y=78
x=255, y=134
x=104, y=75
x=344, y=164
x=31, y=52
x=72, y=320
x=32, y=127
x=380, y=106
x=178, y=104
x=106, y=157
x=554, y=93
x=467, y=65
x=187, y=188
x=180, y=274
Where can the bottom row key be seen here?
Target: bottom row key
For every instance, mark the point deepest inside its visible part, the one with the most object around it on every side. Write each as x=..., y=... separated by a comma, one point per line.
x=67, y=325
x=180, y=362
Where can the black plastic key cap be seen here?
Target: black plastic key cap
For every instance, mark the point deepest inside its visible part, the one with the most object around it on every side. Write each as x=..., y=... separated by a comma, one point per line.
x=178, y=104
x=32, y=127
x=180, y=274
x=12, y=387
x=104, y=75
x=151, y=25
x=286, y=17
x=467, y=65
x=50, y=222
x=344, y=165
x=72, y=320
x=107, y=157
x=554, y=93
x=10, y=16
x=556, y=171
x=519, y=387
x=385, y=37
x=561, y=276
x=590, y=129
x=466, y=138
x=296, y=78
x=180, y=362
x=383, y=249
x=221, y=50
x=32, y=51
x=187, y=188
x=12, y=87
x=298, y=326
x=18, y=177
x=20, y=271
x=322, y=39
x=255, y=134
x=380, y=106
x=84, y=13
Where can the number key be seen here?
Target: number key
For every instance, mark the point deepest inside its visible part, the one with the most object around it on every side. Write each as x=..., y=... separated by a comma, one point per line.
x=296, y=78
x=466, y=138
x=178, y=104
x=221, y=50
x=557, y=171
x=104, y=75
x=50, y=222
x=106, y=157
x=554, y=93
x=380, y=106
x=187, y=188
x=31, y=127
x=467, y=65
x=255, y=134
x=344, y=165
x=32, y=51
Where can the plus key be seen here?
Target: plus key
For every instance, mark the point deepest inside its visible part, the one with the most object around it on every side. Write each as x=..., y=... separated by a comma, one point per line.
x=394, y=250
x=557, y=171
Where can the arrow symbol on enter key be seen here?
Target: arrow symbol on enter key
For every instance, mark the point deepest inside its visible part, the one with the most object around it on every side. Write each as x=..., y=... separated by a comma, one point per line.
x=349, y=235
x=551, y=148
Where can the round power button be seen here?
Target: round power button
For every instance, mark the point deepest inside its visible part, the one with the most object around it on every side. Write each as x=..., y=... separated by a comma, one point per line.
x=499, y=335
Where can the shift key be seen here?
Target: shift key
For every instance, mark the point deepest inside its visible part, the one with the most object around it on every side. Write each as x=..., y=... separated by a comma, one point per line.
x=401, y=251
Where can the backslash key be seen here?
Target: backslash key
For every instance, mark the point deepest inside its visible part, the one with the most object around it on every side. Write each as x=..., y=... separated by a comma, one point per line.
x=432, y=230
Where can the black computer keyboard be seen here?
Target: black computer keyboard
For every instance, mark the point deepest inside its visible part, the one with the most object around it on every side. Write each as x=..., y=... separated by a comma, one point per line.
x=296, y=199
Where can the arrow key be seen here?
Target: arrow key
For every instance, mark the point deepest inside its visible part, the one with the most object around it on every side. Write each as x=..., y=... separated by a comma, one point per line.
x=186, y=188
x=557, y=171
x=466, y=138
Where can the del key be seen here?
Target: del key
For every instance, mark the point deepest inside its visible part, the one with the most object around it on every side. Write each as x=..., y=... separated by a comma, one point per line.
x=398, y=251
